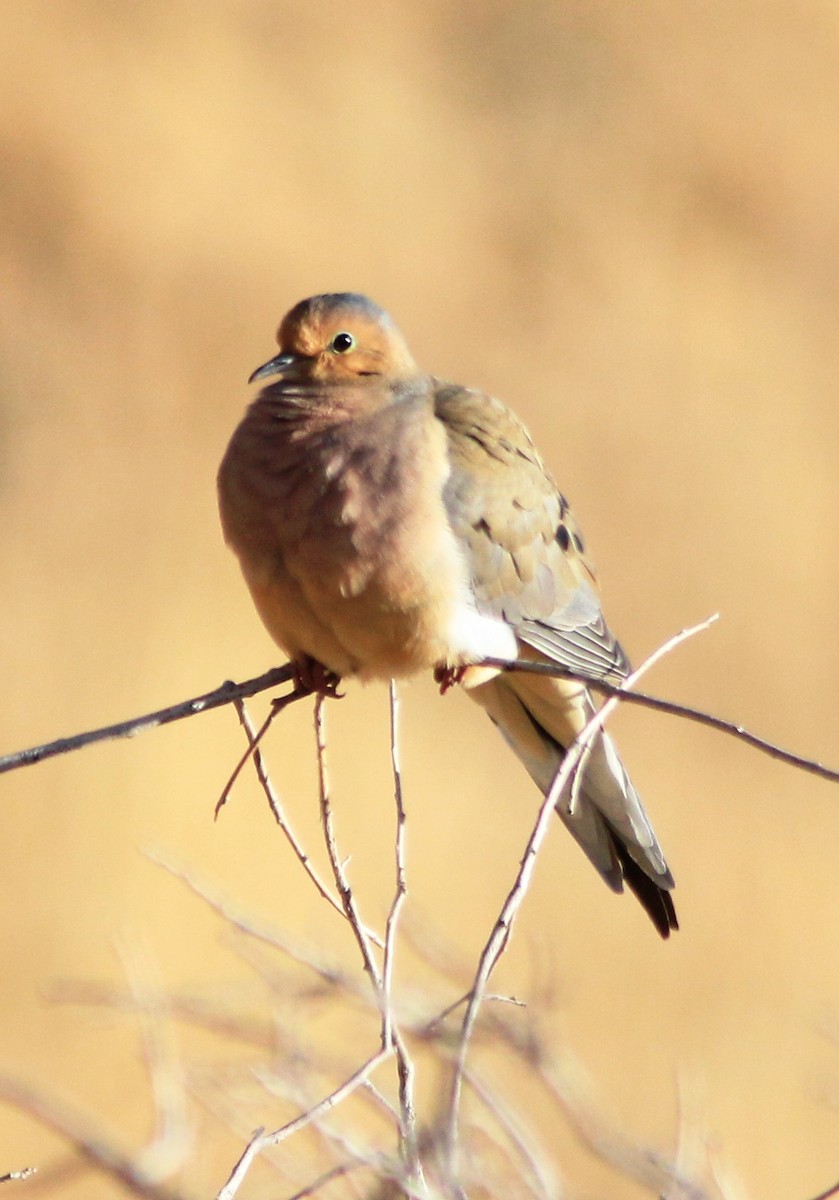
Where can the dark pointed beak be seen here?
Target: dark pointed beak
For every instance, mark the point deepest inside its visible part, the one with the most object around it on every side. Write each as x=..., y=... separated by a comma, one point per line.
x=277, y=365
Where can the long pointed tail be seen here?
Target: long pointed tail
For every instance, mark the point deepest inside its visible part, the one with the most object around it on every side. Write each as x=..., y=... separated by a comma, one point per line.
x=539, y=717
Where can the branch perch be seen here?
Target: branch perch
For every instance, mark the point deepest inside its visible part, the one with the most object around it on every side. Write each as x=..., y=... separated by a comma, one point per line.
x=230, y=692
x=227, y=693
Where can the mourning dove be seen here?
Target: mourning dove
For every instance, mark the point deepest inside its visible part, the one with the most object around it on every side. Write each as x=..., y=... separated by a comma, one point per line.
x=389, y=523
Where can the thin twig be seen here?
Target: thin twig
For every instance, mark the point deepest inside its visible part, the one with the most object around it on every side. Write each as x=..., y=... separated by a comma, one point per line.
x=262, y=1140
x=831, y=1191
x=242, y=1167
x=323, y=1106
x=500, y=934
x=24, y=1173
x=283, y=1083
x=279, y=813
x=341, y=882
x=254, y=738
x=381, y=1102
x=390, y=1034
x=429, y=1028
x=404, y=1064
x=225, y=694
x=228, y=692
x=645, y=700
x=399, y=851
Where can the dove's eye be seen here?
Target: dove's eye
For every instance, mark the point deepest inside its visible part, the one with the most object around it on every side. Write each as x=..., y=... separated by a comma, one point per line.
x=342, y=342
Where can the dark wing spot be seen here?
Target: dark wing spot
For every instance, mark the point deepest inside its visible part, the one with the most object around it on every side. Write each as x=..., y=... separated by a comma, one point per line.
x=578, y=542
x=564, y=538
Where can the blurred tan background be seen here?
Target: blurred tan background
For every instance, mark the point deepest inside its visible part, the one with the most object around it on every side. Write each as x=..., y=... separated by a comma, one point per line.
x=624, y=220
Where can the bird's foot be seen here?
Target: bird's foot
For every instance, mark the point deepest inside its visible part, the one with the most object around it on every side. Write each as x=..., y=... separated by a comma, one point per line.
x=446, y=676
x=312, y=677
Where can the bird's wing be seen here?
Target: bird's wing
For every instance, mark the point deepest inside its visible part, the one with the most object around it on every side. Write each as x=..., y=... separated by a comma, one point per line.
x=528, y=567
x=523, y=547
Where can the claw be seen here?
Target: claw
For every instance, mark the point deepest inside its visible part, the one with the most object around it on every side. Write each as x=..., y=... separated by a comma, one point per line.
x=311, y=676
x=446, y=677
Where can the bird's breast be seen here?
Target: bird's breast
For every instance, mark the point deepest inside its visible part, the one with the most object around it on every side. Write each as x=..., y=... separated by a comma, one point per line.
x=345, y=543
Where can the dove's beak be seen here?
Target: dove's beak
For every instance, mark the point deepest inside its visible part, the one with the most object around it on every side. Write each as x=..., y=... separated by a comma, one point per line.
x=280, y=364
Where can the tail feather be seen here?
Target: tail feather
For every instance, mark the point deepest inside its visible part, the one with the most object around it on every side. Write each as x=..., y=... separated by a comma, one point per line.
x=655, y=900
x=539, y=718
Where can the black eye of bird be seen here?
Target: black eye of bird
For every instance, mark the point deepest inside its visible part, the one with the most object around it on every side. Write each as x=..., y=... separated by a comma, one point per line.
x=342, y=342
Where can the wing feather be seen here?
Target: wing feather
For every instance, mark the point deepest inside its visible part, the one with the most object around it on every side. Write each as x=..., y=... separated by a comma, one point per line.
x=524, y=549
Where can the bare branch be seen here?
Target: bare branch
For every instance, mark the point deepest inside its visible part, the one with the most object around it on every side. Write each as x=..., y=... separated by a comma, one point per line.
x=341, y=882
x=399, y=851
x=276, y=807
x=390, y=1034
x=229, y=692
x=831, y=1191
x=334, y=1098
x=431, y=1028
x=22, y=1174
x=500, y=934
x=261, y=1140
x=254, y=738
x=242, y=1167
x=141, y=1173
x=645, y=700
x=404, y=1065
x=226, y=694
x=284, y=1085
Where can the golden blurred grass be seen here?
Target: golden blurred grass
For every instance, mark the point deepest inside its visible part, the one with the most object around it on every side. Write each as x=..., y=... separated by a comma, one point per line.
x=623, y=220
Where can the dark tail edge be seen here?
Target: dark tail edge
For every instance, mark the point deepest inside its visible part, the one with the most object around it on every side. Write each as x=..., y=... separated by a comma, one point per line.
x=656, y=901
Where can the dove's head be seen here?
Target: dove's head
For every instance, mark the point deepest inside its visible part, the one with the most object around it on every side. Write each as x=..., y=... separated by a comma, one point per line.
x=335, y=339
